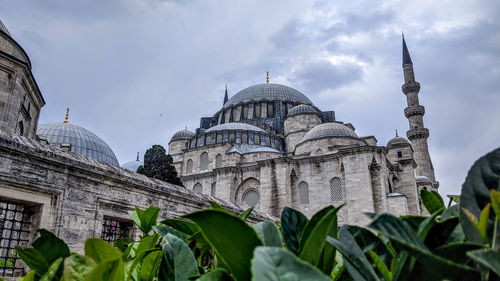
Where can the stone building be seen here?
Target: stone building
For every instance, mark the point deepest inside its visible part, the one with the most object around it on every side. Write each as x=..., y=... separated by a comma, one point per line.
x=269, y=146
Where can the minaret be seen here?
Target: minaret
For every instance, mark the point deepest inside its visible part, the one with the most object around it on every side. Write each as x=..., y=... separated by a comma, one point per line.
x=225, y=96
x=417, y=134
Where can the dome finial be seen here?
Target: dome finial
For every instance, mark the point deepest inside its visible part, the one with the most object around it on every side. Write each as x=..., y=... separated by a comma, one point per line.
x=397, y=133
x=267, y=77
x=137, y=157
x=67, y=115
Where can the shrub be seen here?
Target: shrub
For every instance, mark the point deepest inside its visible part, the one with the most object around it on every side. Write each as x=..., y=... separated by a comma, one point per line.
x=456, y=243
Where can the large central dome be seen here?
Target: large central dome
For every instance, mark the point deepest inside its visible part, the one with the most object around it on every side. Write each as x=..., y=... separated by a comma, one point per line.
x=268, y=92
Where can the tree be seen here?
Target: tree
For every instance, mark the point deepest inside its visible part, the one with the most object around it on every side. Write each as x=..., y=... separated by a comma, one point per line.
x=158, y=165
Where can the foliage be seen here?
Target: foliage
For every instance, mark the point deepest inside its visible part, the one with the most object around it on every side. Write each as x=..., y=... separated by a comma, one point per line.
x=457, y=243
x=159, y=165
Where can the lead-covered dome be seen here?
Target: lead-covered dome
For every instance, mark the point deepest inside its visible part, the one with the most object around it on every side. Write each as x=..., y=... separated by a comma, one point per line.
x=182, y=135
x=267, y=92
x=82, y=141
x=132, y=165
x=302, y=109
x=397, y=140
x=329, y=130
x=235, y=127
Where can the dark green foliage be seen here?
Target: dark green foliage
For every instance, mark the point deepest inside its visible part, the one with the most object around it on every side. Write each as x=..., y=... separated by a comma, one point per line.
x=214, y=245
x=158, y=165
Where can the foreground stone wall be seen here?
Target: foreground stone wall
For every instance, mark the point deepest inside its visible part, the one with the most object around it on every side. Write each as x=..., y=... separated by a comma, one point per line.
x=72, y=193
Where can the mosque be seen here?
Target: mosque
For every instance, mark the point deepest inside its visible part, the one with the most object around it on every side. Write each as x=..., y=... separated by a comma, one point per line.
x=268, y=146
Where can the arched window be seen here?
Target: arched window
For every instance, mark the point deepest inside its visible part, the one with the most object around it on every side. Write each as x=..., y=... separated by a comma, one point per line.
x=319, y=152
x=218, y=161
x=336, y=190
x=270, y=110
x=197, y=188
x=303, y=193
x=20, y=128
x=251, y=198
x=203, y=161
x=189, y=166
x=256, y=110
x=212, y=190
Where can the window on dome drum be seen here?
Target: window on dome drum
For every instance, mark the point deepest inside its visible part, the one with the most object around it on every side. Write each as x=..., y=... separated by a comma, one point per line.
x=400, y=154
x=251, y=198
x=225, y=136
x=212, y=190
x=336, y=190
x=303, y=193
x=319, y=152
x=244, y=137
x=250, y=138
x=256, y=110
x=270, y=109
x=218, y=161
x=197, y=188
x=203, y=161
x=235, y=114
x=245, y=111
x=114, y=229
x=15, y=228
x=189, y=166
x=256, y=139
x=231, y=119
x=238, y=137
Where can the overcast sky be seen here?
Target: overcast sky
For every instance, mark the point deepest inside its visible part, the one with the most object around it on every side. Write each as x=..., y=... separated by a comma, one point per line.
x=136, y=71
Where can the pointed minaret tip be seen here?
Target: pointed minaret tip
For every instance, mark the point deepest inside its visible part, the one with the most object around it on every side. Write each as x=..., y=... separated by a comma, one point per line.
x=406, y=54
x=137, y=157
x=397, y=133
x=226, y=97
x=67, y=116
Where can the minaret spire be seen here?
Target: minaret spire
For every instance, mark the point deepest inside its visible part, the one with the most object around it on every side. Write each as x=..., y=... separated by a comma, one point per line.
x=137, y=157
x=225, y=96
x=267, y=77
x=417, y=133
x=67, y=115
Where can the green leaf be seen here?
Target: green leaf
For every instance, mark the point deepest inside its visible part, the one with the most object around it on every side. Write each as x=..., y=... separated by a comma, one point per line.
x=150, y=265
x=109, y=270
x=451, y=212
x=293, y=223
x=311, y=249
x=274, y=264
x=353, y=254
x=476, y=191
x=33, y=259
x=312, y=223
x=495, y=202
x=163, y=230
x=456, y=252
x=483, y=223
x=52, y=271
x=367, y=241
x=431, y=265
x=232, y=239
x=183, y=226
x=28, y=277
x=77, y=267
x=488, y=258
x=50, y=246
x=147, y=243
x=381, y=266
x=244, y=216
x=413, y=221
x=339, y=267
x=432, y=201
x=268, y=233
x=427, y=224
x=217, y=274
x=99, y=250
x=146, y=219
x=215, y=205
x=177, y=261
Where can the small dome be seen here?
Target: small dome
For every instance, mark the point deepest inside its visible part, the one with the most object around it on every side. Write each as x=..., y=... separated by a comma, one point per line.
x=422, y=179
x=82, y=141
x=329, y=130
x=302, y=109
x=397, y=140
x=182, y=135
x=235, y=126
x=132, y=165
x=267, y=92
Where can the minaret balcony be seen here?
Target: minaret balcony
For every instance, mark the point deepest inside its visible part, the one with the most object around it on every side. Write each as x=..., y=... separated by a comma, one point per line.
x=411, y=87
x=414, y=110
x=417, y=133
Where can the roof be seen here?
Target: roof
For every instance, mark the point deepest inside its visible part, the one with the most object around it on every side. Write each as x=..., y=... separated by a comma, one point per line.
x=244, y=148
x=263, y=92
x=82, y=141
x=329, y=130
x=406, y=54
x=182, y=135
x=132, y=165
x=302, y=109
x=4, y=29
x=397, y=140
x=235, y=126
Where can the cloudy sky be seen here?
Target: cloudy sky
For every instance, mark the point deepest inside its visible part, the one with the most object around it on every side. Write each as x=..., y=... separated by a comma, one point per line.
x=136, y=71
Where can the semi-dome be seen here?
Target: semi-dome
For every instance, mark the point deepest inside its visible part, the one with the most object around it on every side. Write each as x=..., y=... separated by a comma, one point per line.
x=302, y=109
x=267, y=92
x=235, y=127
x=329, y=130
x=182, y=135
x=82, y=141
x=397, y=140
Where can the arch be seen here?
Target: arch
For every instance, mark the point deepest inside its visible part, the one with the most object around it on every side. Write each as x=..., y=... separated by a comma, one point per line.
x=303, y=188
x=218, y=161
x=251, y=198
x=319, y=152
x=336, y=192
x=189, y=166
x=198, y=188
x=212, y=189
x=243, y=188
x=203, y=161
